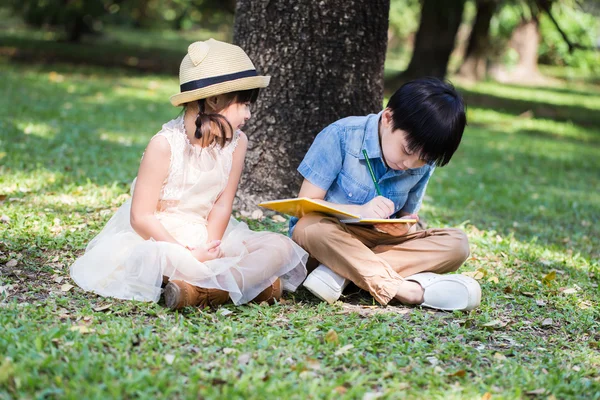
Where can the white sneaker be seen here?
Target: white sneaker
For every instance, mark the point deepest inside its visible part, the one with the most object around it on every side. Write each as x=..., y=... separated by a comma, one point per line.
x=325, y=284
x=448, y=292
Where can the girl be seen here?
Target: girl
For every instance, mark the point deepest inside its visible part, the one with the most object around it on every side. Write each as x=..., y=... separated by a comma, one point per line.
x=177, y=229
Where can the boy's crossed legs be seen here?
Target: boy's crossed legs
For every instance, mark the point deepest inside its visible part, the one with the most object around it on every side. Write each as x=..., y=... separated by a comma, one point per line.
x=378, y=262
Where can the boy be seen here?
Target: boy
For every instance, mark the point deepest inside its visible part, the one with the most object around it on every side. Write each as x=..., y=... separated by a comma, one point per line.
x=420, y=128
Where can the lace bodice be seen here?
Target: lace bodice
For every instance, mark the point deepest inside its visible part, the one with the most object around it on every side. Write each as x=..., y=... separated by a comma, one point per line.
x=189, y=162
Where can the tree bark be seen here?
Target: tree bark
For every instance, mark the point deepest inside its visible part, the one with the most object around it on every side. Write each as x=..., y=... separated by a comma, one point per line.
x=474, y=66
x=326, y=62
x=440, y=20
x=525, y=40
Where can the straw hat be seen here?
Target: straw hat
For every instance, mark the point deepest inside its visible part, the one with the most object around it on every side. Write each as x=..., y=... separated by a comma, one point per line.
x=211, y=68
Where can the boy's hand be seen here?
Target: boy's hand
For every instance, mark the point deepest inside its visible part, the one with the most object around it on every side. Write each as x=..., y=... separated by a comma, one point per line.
x=379, y=207
x=397, y=229
x=210, y=251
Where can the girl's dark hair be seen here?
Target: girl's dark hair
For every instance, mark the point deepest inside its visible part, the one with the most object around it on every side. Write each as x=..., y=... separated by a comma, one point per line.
x=213, y=127
x=432, y=113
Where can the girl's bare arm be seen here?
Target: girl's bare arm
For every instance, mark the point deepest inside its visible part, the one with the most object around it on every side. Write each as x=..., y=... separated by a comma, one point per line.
x=153, y=171
x=221, y=211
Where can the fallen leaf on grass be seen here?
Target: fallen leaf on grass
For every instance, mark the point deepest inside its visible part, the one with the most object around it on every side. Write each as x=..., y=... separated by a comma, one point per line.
x=547, y=322
x=461, y=373
x=169, y=358
x=331, y=336
x=340, y=390
x=228, y=350
x=12, y=263
x=243, y=359
x=224, y=312
x=344, y=349
x=495, y=324
x=66, y=287
x=372, y=395
x=549, y=277
x=278, y=218
x=257, y=214
x=81, y=329
x=5, y=219
x=313, y=364
x=540, y=303
x=433, y=361
x=584, y=305
x=536, y=392
x=479, y=274
x=570, y=291
x=493, y=279
x=499, y=356
x=486, y=396
x=7, y=370
x=103, y=307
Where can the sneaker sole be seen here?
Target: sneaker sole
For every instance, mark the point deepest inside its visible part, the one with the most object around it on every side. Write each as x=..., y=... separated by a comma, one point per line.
x=317, y=287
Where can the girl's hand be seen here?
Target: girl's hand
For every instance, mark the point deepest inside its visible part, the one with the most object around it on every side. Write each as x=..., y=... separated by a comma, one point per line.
x=379, y=207
x=210, y=251
x=397, y=229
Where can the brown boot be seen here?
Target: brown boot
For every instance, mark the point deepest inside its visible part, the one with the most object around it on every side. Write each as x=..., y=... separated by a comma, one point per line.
x=270, y=294
x=179, y=294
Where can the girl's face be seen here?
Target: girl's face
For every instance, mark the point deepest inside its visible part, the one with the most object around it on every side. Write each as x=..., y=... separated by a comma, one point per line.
x=394, y=146
x=237, y=114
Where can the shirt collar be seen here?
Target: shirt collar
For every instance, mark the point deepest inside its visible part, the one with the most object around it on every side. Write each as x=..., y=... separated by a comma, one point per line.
x=371, y=138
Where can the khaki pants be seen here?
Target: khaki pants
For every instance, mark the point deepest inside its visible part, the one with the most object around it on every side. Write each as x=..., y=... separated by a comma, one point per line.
x=376, y=261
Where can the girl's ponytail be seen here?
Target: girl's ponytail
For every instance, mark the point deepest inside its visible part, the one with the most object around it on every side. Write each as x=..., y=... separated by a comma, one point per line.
x=212, y=127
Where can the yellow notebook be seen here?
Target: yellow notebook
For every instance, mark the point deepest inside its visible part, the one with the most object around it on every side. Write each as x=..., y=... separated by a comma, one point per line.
x=301, y=206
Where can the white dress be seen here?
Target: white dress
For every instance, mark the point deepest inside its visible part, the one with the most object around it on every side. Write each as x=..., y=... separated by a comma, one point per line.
x=120, y=263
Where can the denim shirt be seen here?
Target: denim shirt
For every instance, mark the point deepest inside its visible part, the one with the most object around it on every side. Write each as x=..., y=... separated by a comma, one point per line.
x=335, y=163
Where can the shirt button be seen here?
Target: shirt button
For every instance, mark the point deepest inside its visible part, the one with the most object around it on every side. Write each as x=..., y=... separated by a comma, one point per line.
x=349, y=194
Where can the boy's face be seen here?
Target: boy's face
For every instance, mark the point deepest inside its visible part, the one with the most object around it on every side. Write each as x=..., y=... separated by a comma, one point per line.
x=394, y=146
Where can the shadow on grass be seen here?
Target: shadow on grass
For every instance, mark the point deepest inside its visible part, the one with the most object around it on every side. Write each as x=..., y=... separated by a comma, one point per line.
x=554, y=89
x=579, y=115
x=535, y=133
x=159, y=60
x=90, y=139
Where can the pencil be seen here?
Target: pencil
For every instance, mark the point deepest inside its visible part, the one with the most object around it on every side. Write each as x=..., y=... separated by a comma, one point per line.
x=371, y=172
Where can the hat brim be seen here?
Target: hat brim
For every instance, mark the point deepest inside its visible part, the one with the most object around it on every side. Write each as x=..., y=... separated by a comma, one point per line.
x=253, y=82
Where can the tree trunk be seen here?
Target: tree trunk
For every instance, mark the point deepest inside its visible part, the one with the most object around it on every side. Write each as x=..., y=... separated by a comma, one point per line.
x=440, y=20
x=326, y=62
x=75, y=28
x=474, y=66
x=525, y=40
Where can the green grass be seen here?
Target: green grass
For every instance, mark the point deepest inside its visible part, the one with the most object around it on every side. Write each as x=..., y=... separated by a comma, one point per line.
x=524, y=185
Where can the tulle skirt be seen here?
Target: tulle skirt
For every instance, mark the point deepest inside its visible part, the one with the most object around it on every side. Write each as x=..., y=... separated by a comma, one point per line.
x=119, y=263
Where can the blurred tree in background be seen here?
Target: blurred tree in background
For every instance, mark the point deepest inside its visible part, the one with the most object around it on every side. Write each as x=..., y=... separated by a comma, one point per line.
x=435, y=39
x=76, y=17
x=475, y=59
x=326, y=58
x=426, y=37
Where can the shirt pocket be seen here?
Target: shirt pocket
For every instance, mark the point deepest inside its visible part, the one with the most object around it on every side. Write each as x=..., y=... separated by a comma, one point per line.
x=355, y=192
x=399, y=199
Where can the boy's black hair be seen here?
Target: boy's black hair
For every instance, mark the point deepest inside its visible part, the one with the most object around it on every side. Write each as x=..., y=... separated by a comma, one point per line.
x=432, y=113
